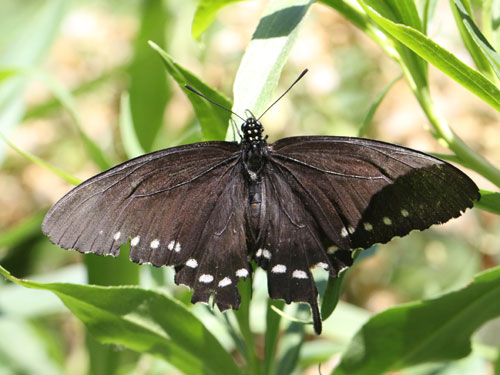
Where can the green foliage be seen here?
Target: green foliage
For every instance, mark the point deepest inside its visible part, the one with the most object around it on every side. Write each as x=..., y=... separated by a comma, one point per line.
x=145, y=321
x=420, y=332
x=256, y=339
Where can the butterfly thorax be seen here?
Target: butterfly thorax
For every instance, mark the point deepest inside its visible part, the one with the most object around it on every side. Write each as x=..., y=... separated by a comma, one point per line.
x=254, y=148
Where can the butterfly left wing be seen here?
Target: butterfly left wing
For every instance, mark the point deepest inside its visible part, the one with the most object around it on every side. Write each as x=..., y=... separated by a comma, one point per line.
x=182, y=206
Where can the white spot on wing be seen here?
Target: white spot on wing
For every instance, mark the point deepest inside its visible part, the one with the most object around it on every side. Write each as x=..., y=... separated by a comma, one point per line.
x=206, y=278
x=117, y=236
x=299, y=274
x=155, y=244
x=386, y=220
x=225, y=282
x=266, y=254
x=368, y=226
x=279, y=268
x=242, y=272
x=192, y=263
x=135, y=241
x=322, y=265
x=344, y=232
x=258, y=254
x=405, y=213
x=332, y=249
x=171, y=245
x=350, y=229
x=177, y=247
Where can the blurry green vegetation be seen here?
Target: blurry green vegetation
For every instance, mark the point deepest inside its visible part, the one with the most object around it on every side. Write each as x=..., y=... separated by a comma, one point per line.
x=81, y=89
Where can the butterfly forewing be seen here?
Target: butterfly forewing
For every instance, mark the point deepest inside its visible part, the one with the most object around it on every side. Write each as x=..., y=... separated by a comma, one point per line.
x=177, y=207
x=363, y=192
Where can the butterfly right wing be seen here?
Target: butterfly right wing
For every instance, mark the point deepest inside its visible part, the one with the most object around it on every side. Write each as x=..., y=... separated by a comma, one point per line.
x=182, y=206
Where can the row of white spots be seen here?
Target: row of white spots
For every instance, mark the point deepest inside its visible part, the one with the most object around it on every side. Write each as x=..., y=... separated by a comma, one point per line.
x=369, y=227
x=155, y=244
x=297, y=274
x=174, y=245
x=207, y=278
x=263, y=253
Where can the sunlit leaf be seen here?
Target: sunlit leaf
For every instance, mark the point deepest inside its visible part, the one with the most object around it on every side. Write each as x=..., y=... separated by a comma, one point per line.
x=143, y=321
x=426, y=331
x=205, y=15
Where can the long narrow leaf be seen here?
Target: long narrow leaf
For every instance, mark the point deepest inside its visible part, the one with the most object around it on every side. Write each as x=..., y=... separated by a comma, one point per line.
x=148, y=83
x=373, y=108
x=266, y=55
x=465, y=23
x=130, y=141
x=424, y=331
x=213, y=120
x=143, y=321
x=205, y=15
x=35, y=159
x=490, y=201
x=272, y=332
x=444, y=60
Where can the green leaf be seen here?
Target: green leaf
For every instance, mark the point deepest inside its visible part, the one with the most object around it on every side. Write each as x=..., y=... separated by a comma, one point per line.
x=426, y=331
x=265, y=56
x=35, y=159
x=205, y=15
x=490, y=201
x=467, y=27
x=373, y=108
x=143, y=321
x=442, y=59
x=271, y=336
x=332, y=295
x=148, y=84
x=66, y=99
x=27, y=31
x=25, y=229
x=243, y=317
x=130, y=141
x=213, y=120
x=6, y=73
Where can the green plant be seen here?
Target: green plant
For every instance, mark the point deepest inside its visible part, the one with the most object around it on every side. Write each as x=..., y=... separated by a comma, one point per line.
x=196, y=340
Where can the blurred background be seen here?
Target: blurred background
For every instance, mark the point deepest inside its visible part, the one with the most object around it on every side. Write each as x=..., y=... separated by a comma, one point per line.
x=64, y=68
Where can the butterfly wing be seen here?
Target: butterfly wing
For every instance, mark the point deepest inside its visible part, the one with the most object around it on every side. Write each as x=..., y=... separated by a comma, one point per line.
x=328, y=195
x=181, y=206
x=363, y=192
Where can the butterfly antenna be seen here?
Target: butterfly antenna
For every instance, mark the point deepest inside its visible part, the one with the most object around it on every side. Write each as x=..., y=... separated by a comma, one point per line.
x=282, y=95
x=211, y=101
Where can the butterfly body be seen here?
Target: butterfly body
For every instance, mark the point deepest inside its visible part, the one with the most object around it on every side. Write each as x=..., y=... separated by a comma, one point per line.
x=302, y=202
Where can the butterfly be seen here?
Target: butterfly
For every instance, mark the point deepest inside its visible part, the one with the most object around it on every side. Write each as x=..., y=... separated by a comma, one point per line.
x=211, y=208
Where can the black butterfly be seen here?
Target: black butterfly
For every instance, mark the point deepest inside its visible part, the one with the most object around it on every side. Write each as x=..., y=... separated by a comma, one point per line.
x=210, y=208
